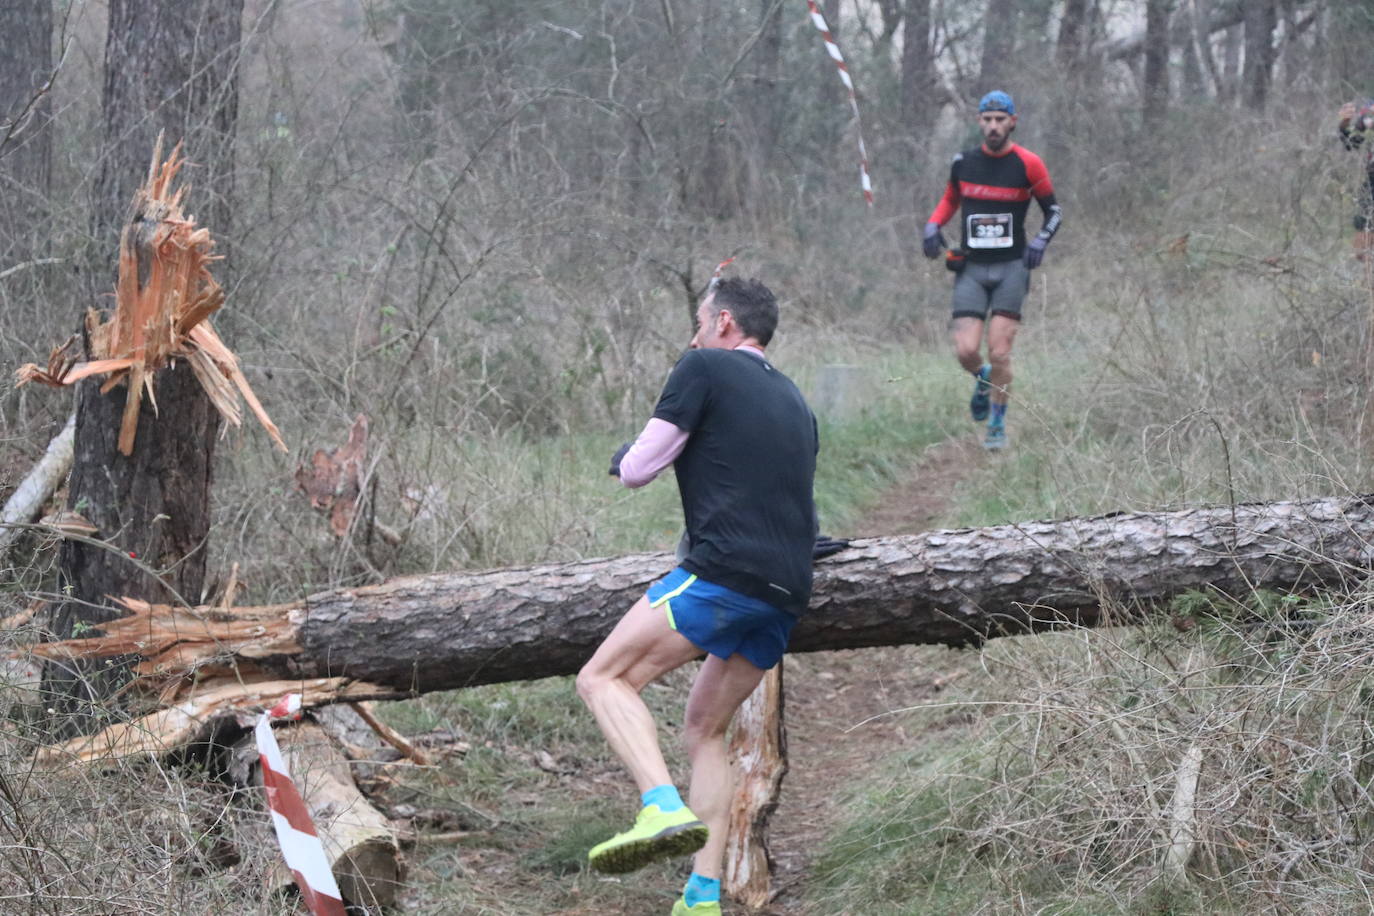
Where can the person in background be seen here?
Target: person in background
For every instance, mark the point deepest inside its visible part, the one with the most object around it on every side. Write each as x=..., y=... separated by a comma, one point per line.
x=990, y=187
x=1356, y=123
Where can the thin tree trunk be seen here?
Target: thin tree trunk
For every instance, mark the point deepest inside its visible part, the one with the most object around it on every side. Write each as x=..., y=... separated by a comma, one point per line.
x=25, y=138
x=763, y=95
x=1261, y=17
x=919, y=102
x=1232, y=43
x=1194, y=79
x=999, y=41
x=1073, y=31
x=1156, y=83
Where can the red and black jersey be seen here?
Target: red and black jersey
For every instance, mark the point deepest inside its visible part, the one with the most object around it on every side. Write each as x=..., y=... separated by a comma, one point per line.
x=994, y=191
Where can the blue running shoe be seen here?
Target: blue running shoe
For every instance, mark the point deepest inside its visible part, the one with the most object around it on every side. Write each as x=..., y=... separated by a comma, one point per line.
x=982, y=389
x=996, y=439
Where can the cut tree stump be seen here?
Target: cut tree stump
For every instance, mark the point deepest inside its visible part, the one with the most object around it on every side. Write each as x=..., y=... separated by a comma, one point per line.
x=438, y=632
x=759, y=749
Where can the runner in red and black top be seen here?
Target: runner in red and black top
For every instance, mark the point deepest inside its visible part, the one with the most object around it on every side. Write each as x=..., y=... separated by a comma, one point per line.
x=991, y=187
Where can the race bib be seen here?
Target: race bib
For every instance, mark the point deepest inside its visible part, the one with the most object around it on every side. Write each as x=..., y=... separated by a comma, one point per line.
x=990, y=230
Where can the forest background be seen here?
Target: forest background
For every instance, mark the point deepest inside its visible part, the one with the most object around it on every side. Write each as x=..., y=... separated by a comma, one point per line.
x=485, y=225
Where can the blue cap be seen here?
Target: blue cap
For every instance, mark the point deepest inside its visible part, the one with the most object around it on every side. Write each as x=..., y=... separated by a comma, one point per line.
x=997, y=100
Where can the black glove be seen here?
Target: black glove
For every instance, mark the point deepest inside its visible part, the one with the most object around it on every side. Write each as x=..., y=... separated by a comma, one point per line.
x=1035, y=252
x=931, y=242
x=825, y=546
x=619, y=456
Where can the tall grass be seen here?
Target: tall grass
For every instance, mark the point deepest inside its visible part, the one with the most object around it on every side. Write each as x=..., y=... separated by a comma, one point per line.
x=1063, y=796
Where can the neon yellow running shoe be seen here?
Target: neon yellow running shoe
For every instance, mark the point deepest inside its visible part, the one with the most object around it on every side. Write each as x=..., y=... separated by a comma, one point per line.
x=702, y=908
x=655, y=836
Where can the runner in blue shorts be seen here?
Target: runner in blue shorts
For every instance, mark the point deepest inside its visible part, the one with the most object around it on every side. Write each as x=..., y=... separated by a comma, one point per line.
x=743, y=445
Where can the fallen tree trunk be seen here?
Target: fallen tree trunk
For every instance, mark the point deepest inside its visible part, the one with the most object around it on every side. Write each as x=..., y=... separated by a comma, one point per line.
x=33, y=493
x=357, y=839
x=951, y=587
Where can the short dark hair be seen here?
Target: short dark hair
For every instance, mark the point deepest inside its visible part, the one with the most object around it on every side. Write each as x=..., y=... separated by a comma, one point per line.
x=752, y=304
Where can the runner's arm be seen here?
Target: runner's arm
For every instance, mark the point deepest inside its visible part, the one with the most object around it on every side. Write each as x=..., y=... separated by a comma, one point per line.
x=948, y=205
x=658, y=446
x=1054, y=215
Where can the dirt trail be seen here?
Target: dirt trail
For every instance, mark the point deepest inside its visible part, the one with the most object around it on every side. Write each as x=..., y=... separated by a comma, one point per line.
x=832, y=697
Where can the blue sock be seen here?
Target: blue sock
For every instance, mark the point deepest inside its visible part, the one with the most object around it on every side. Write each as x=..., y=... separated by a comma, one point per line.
x=983, y=374
x=664, y=796
x=701, y=890
x=999, y=415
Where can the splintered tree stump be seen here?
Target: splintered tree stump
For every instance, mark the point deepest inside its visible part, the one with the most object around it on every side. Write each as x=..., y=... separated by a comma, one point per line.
x=759, y=751
x=363, y=852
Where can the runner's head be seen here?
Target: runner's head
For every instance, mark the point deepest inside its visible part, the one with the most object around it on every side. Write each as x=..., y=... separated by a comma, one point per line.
x=733, y=312
x=996, y=119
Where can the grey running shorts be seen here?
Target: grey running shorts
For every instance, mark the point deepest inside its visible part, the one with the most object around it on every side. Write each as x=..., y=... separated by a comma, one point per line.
x=999, y=288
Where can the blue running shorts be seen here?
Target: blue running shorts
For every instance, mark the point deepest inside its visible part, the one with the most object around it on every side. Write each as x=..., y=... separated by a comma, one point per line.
x=721, y=621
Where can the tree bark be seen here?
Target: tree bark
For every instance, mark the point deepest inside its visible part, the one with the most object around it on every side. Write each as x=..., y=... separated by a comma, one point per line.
x=1261, y=18
x=1072, y=37
x=762, y=99
x=1229, y=84
x=169, y=67
x=25, y=139
x=1194, y=83
x=953, y=587
x=999, y=40
x=919, y=101
x=1156, y=83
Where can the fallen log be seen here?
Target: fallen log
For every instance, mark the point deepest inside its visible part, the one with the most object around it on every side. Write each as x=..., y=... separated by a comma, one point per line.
x=28, y=499
x=953, y=587
x=358, y=841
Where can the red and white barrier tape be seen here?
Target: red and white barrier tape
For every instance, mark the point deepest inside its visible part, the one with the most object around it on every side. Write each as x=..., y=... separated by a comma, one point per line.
x=833, y=50
x=300, y=844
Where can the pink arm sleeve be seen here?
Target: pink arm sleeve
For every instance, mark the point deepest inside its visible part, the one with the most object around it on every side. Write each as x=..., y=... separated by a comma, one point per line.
x=657, y=447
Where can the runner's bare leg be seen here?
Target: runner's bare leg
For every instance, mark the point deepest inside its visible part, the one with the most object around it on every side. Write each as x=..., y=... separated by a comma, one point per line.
x=1001, y=333
x=641, y=648
x=720, y=687
x=966, y=333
